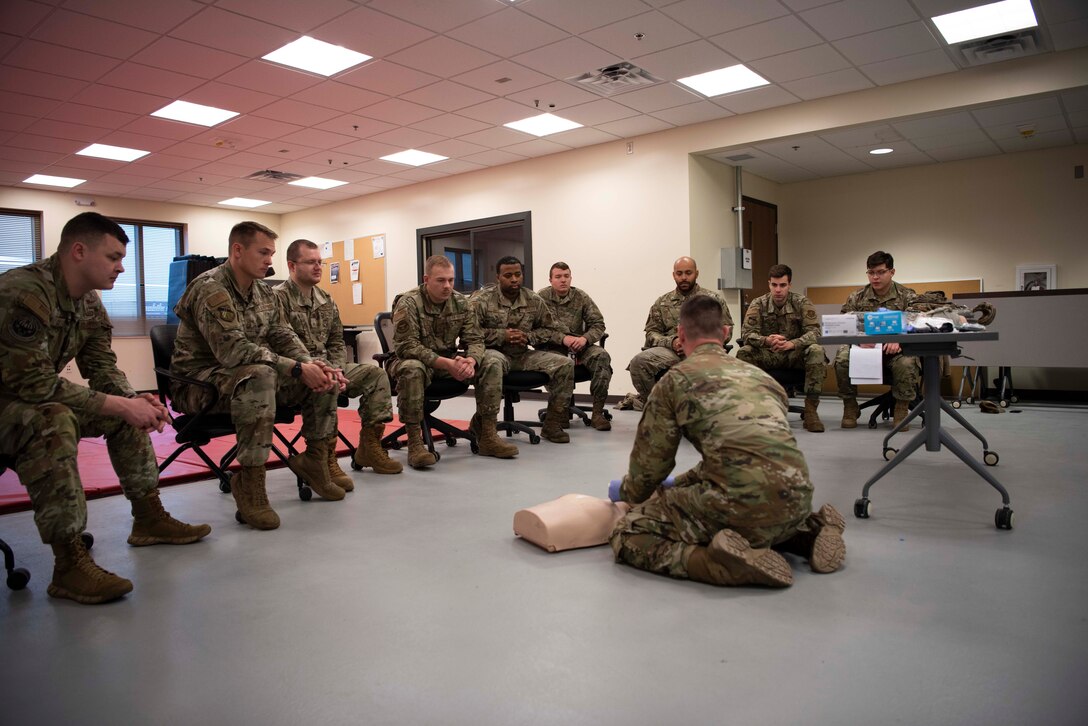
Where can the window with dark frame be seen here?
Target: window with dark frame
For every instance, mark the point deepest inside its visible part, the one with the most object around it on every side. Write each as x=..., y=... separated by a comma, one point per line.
x=20, y=238
x=138, y=299
x=474, y=246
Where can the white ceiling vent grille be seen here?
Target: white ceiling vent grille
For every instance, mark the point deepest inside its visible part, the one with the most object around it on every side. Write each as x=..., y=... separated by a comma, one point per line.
x=271, y=175
x=616, y=78
x=1000, y=47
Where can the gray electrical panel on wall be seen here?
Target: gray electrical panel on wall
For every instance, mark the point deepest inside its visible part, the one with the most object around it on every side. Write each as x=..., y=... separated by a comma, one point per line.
x=736, y=269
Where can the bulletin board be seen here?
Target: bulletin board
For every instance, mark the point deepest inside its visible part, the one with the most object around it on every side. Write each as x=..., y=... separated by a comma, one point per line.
x=371, y=277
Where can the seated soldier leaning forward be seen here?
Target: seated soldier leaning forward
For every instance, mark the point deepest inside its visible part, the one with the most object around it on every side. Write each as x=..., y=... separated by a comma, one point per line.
x=751, y=492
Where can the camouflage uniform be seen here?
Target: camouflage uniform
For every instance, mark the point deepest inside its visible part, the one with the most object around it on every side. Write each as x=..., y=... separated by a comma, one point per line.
x=241, y=344
x=530, y=314
x=906, y=370
x=796, y=320
x=579, y=316
x=657, y=355
x=316, y=321
x=752, y=478
x=43, y=416
x=424, y=332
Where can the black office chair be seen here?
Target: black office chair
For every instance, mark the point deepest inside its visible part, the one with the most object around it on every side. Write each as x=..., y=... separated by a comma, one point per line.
x=439, y=390
x=883, y=405
x=514, y=384
x=581, y=375
x=193, y=431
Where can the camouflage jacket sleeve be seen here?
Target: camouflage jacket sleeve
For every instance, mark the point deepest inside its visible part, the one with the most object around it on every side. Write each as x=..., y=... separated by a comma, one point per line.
x=493, y=337
x=657, y=334
x=809, y=324
x=656, y=440
x=96, y=360
x=220, y=324
x=851, y=304
x=546, y=328
x=752, y=327
x=472, y=338
x=406, y=333
x=593, y=320
x=335, y=349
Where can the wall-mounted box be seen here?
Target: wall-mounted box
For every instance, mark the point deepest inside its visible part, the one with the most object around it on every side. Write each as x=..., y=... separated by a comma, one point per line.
x=736, y=269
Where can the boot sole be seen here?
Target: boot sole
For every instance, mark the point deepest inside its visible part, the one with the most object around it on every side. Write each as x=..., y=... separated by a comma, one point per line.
x=59, y=592
x=828, y=549
x=145, y=541
x=770, y=568
x=497, y=455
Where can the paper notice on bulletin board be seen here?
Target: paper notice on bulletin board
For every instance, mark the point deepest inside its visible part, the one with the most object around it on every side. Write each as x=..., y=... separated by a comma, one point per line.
x=357, y=293
x=349, y=249
x=334, y=273
x=379, y=246
x=355, y=270
x=326, y=250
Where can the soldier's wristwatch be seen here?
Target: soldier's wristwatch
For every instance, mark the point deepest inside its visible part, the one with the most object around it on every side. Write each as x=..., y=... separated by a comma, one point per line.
x=296, y=372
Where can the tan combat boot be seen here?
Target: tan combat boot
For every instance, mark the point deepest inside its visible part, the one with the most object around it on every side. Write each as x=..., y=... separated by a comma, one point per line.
x=77, y=577
x=419, y=456
x=598, y=420
x=902, y=408
x=247, y=488
x=370, y=452
x=553, y=426
x=811, y=418
x=312, y=466
x=821, y=543
x=850, y=413
x=337, y=476
x=488, y=441
x=151, y=524
x=730, y=560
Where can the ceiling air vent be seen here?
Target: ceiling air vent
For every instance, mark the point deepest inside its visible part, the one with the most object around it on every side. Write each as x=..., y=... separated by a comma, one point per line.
x=740, y=157
x=616, y=78
x=271, y=175
x=1000, y=47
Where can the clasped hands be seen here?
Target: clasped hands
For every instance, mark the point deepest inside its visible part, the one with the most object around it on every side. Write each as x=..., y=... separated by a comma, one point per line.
x=779, y=343
x=320, y=377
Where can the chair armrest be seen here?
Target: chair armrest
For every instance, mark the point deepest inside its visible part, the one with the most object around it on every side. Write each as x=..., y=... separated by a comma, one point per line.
x=193, y=382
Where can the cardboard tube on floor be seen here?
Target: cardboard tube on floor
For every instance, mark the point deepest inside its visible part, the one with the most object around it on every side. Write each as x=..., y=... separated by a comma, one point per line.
x=569, y=522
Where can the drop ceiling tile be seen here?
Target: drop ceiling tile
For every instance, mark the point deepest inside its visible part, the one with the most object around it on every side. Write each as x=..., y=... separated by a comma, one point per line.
x=958, y=138
x=577, y=138
x=692, y=113
x=358, y=127
x=298, y=16
x=897, y=70
x=386, y=78
x=196, y=60
x=19, y=17
x=801, y=150
x=1043, y=140
x=407, y=138
x=15, y=150
x=217, y=28
x=577, y=16
x=659, y=32
x=865, y=136
x=317, y=138
x=285, y=151
x=443, y=57
x=1067, y=36
x=1074, y=100
x=178, y=185
x=66, y=130
x=396, y=111
x=656, y=98
x=800, y=64
x=1081, y=134
x=156, y=17
x=447, y=96
x=152, y=126
x=59, y=60
x=227, y=141
x=231, y=98
x=502, y=78
x=1060, y=11
x=499, y=111
x=257, y=128
x=456, y=166
x=899, y=160
x=340, y=96
x=120, y=99
x=599, y=112
x=367, y=31
x=88, y=165
x=773, y=37
x=828, y=84
x=1078, y=118
x=685, y=60
x=495, y=138
x=296, y=112
x=36, y=106
x=1018, y=112
x=378, y=168
x=799, y=5
x=147, y=79
x=16, y=122
x=203, y=151
x=260, y=75
x=450, y=125
x=564, y=59
x=44, y=85
x=7, y=42
x=710, y=17
x=495, y=157
x=969, y=151
x=507, y=32
x=1042, y=125
x=562, y=95
x=97, y=186
x=635, y=126
x=756, y=99
x=131, y=140
x=95, y=35
x=945, y=123
x=453, y=148
x=880, y=45
x=437, y=15
x=368, y=148
x=854, y=17
x=335, y=160
x=420, y=174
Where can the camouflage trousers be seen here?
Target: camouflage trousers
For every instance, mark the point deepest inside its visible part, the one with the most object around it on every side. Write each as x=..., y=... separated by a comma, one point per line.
x=370, y=384
x=250, y=395
x=599, y=362
x=42, y=439
x=413, y=377
x=559, y=369
x=906, y=373
x=811, y=359
x=648, y=365
x=660, y=534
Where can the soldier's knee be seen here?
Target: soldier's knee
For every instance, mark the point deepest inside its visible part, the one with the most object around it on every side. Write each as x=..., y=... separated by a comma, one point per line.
x=746, y=354
x=410, y=371
x=255, y=378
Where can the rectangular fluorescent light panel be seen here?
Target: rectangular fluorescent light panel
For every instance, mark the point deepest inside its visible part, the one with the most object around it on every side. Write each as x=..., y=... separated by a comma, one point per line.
x=54, y=181
x=194, y=113
x=986, y=20
x=543, y=125
x=117, y=153
x=243, y=202
x=316, y=56
x=413, y=157
x=724, y=80
x=316, y=182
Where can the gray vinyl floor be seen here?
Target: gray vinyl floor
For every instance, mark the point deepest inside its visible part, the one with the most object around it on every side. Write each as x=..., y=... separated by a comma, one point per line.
x=411, y=602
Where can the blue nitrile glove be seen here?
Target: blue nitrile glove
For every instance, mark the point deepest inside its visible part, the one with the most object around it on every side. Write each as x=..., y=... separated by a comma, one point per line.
x=614, y=489
x=669, y=481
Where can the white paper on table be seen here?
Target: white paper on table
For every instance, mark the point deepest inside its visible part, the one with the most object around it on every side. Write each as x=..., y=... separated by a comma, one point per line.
x=379, y=246
x=326, y=250
x=349, y=249
x=357, y=293
x=355, y=270
x=866, y=364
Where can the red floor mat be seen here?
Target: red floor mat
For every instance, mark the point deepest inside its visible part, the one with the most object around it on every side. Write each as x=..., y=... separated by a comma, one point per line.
x=99, y=480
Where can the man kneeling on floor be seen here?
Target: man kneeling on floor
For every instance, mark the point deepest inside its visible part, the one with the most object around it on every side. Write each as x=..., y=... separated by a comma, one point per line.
x=751, y=491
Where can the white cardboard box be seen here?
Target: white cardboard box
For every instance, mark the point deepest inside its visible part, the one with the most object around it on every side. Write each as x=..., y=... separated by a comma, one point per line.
x=840, y=324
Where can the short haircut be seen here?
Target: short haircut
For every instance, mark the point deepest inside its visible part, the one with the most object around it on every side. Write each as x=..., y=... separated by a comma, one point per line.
x=879, y=258
x=508, y=260
x=294, y=250
x=89, y=228
x=780, y=271
x=436, y=261
x=558, y=266
x=244, y=233
x=701, y=316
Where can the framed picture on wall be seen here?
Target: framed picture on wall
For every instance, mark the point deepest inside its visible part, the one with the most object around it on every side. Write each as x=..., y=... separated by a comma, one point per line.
x=1031, y=278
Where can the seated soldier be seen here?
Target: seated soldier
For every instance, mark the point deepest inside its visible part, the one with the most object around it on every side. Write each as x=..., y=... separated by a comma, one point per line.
x=751, y=491
x=315, y=318
x=513, y=318
x=906, y=371
x=662, y=350
x=780, y=330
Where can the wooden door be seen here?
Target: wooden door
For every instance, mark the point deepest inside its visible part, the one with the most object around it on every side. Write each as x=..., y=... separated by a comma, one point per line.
x=761, y=237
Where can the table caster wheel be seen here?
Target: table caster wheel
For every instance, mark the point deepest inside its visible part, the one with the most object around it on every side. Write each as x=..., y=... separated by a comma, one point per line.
x=1003, y=518
x=889, y=453
x=863, y=508
x=451, y=441
x=956, y=403
x=305, y=493
x=1004, y=403
x=238, y=517
x=970, y=400
x=224, y=486
x=437, y=456
x=990, y=458
x=18, y=578
x=87, y=539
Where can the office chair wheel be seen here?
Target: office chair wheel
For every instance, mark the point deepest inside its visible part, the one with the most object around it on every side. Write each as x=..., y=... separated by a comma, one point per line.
x=474, y=447
x=1003, y=518
x=451, y=441
x=224, y=486
x=990, y=458
x=238, y=517
x=354, y=466
x=1014, y=399
x=18, y=578
x=889, y=453
x=1004, y=403
x=437, y=456
x=863, y=507
x=872, y=424
x=87, y=539
x=305, y=493
x=970, y=400
x=956, y=403
x=542, y=414
x=534, y=439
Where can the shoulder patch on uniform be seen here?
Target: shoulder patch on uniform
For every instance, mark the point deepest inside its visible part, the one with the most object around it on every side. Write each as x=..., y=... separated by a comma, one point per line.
x=217, y=299
x=34, y=304
x=23, y=327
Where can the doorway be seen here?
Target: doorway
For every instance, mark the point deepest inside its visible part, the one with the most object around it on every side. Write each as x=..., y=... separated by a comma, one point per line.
x=761, y=237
